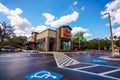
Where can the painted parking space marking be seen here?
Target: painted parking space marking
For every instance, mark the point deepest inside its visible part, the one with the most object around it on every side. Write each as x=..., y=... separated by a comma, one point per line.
x=114, y=74
x=106, y=76
x=99, y=69
x=91, y=68
x=64, y=60
x=86, y=67
x=79, y=65
x=44, y=75
x=108, y=72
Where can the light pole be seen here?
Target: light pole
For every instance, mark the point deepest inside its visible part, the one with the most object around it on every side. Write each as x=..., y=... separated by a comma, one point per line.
x=111, y=35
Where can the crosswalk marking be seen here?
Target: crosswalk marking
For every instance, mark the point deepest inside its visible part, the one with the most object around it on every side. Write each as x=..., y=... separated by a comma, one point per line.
x=63, y=60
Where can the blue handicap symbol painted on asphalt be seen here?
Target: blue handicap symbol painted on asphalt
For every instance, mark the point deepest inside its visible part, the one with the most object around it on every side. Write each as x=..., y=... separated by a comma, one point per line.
x=44, y=75
x=100, y=61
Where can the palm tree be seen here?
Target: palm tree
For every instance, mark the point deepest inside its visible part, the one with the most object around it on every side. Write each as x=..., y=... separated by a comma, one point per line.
x=78, y=38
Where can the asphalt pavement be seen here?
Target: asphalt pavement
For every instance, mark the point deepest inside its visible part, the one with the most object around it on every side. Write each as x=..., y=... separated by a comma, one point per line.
x=80, y=66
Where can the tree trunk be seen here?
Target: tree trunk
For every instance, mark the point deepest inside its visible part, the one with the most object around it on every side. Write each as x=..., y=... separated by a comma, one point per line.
x=2, y=40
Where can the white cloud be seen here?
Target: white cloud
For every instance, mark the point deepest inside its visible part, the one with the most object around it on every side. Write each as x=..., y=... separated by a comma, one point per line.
x=4, y=9
x=62, y=20
x=82, y=8
x=75, y=3
x=40, y=28
x=80, y=29
x=114, y=9
x=87, y=34
x=22, y=25
x=116, y=31
x=48, y=17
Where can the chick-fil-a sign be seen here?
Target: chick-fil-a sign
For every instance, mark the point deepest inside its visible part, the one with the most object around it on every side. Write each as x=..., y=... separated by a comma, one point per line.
x=67, y=33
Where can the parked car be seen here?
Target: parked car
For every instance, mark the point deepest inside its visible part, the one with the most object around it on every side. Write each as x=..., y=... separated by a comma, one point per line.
x=9, y=47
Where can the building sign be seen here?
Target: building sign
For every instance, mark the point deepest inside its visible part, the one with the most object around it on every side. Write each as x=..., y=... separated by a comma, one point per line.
x=44, y=75
x=65, y=33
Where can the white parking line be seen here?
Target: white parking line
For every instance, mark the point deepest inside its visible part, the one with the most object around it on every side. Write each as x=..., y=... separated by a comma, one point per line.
x=107, y=72
x=86, y=67
x=100, y=65
x=93, y=73
x=56, y=61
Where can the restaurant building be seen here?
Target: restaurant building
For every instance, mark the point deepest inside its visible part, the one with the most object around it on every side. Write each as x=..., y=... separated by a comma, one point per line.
x=51, y=40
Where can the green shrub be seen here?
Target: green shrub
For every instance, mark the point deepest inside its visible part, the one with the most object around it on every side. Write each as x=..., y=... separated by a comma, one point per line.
x=65, y=50
x=40, y=49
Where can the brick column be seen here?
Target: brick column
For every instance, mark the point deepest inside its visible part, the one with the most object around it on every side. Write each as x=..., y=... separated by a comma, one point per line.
x=46, y=44
x=58, y=40
x=55, y=45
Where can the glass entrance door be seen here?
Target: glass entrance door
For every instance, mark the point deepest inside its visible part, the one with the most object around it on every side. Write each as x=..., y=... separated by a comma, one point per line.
x=66, y=45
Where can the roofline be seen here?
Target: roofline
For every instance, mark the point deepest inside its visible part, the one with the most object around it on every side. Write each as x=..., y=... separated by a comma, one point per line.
x=66, y=26
x=46, y=30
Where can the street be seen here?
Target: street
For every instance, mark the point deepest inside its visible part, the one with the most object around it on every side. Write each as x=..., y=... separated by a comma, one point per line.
x=80, y=66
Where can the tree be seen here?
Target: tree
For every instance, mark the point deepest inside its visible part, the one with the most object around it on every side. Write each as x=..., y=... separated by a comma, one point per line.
x=5, y=31
x=119, y=38
x=115, y=37
x=78, y=38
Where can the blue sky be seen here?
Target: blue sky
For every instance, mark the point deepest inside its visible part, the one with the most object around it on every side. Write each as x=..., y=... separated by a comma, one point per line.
x=80, y=15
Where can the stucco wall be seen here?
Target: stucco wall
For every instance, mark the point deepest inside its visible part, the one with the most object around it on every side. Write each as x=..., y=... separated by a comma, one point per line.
x=52, y=34
x=46, y=33
x=42, y=34
x=30, y=39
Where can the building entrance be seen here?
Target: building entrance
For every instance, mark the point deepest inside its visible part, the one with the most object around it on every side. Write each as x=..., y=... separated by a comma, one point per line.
x=51, y=44
x=65, y=44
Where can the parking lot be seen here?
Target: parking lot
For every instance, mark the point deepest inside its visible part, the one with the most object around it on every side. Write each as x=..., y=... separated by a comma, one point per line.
x=80, y=66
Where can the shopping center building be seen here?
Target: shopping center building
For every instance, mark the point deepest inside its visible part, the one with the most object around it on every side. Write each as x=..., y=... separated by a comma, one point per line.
x=51, y=40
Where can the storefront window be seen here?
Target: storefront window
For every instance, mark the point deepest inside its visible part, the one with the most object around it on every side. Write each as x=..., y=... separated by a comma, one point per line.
x=41, y=45
x=66, y=45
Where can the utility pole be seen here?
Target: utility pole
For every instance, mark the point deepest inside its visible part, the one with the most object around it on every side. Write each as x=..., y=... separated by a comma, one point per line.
x=111, y=35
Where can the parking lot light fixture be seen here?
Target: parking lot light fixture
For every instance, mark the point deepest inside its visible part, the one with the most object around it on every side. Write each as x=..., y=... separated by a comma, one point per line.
x=111, y=35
